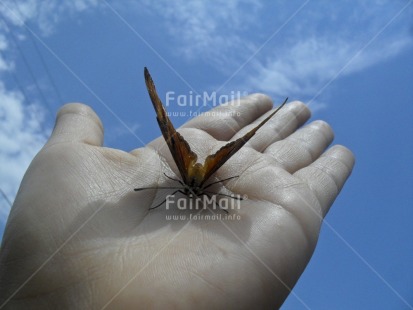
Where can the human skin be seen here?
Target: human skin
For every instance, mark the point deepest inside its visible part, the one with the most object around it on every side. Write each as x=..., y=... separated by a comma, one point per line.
x=79, y=236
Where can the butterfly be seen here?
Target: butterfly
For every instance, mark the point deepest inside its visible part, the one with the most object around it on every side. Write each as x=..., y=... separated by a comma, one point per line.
x=194, y=174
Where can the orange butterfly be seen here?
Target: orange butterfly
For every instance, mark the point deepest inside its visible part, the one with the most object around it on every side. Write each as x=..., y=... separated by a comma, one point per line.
x=194, y=175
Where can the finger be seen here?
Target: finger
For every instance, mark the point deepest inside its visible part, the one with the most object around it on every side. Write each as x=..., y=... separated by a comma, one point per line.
x=327, y=175
x=282, y=124
x=76, y=122
x=224, y=121
x=302, y=147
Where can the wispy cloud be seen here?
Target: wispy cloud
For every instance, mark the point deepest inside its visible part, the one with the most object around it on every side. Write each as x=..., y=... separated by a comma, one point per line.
x=22, y=131
x=355, y=42
x=309, y=64
x=44, y=15
x=211, y=30
x=323, y=38
x=21, y=137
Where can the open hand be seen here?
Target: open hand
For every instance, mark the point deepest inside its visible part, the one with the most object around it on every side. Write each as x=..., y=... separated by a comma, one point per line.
x=79, y=236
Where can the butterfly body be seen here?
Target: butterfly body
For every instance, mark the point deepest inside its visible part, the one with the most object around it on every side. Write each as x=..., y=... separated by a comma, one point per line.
x=196, y=174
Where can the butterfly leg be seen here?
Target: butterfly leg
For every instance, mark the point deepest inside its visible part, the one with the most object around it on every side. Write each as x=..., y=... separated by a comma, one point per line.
x=178, y=190
x=173, y=179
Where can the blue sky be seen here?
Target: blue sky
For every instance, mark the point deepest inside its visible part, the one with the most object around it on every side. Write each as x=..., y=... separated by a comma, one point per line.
x=351, y=62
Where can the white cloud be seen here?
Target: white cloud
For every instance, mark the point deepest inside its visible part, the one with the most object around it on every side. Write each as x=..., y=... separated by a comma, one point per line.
x=44, y=14
x=355, y=42
x=21, y=125
x=21, y=137
x=310, y=64
x=211, y=30
x=386, y=49
x=320, y=41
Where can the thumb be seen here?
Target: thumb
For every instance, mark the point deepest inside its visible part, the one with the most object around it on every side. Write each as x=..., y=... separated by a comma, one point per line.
x=76, y=122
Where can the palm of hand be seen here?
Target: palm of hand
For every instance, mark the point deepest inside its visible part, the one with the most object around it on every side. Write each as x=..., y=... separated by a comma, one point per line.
x=88, y=230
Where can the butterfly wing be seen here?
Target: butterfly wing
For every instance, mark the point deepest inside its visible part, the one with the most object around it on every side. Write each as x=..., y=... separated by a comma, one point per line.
x=215, y=161
x=180, y=150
